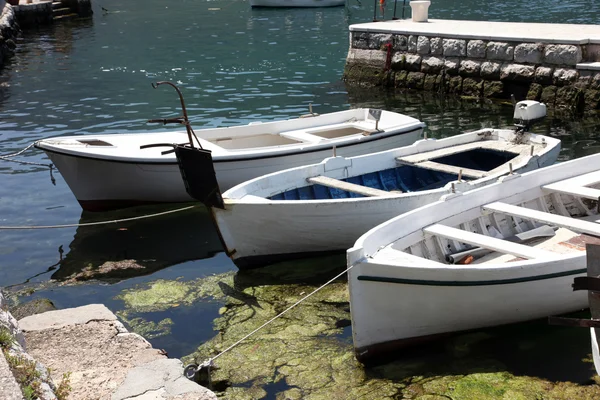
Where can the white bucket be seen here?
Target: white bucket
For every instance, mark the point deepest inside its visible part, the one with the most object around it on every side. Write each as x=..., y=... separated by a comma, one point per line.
x=420, y=10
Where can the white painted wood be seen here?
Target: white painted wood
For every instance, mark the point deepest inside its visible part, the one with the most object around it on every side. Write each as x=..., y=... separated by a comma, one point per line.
x=466, y=172
x=581, y=191
x=487, y=242
x=348, y=186
x=545, y=217
x=579, y=180
x=297, y=226
x=297, y=3
x=433, y=297
x=240, y=153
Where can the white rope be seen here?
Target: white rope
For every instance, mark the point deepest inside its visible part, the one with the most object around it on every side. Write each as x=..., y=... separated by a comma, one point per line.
x=97, y=223
x=9, y=157
x=210, y=360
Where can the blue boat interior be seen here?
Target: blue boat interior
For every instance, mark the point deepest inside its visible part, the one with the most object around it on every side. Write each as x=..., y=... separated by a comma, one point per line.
x=404, y=178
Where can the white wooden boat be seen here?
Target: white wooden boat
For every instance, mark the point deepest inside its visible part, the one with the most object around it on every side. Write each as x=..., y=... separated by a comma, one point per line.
x=119, y=170
x=404, y=290
x=297, y=3
x=324, y=208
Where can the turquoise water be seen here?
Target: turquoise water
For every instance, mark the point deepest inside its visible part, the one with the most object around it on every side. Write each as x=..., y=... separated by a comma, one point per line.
x=234, y=65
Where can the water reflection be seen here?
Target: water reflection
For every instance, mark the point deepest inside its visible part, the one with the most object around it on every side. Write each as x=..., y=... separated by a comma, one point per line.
x=139, y=247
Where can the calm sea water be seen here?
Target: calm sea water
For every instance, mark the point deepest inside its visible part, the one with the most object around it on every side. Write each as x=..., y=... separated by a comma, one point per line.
x=234, y=65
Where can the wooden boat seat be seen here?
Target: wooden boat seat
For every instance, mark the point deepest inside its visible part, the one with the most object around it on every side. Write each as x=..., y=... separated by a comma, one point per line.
x=349, y=187
x=451, y=169
x=422, y=160
x=576, y=186
x=577, y=225
x=301, y=136
x=488, y=242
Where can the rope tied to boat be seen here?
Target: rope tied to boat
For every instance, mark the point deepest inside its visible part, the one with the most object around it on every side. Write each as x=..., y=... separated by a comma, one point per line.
x=9, y=157
x=191, y=371
x=99, y=222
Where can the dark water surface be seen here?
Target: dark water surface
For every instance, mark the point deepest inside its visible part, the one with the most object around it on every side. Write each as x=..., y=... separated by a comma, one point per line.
x=234, y=65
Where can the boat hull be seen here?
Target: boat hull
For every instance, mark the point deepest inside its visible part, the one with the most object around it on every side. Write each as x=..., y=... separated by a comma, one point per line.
x=100, y=184
x=297, y=3
x=297, y=229
x=429, y=302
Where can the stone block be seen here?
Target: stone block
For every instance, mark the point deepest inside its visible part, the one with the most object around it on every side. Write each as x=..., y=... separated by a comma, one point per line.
x=562, y=54
x=476, y=49
x=472, y=87
x=543, y=75
x=400, y=79
x=517, y=72
x=412, y=44
x=360, y=40
x=431, y=82
x=432, y=65
x=490, y=70
x=423, y=45
x=531, y=53
x=436, y=46
x=454, y=84
x=400, y=43
x=413, y=63
x=493, y=89
x=548, y=95
x=469, y=68
x=451, y=66
x=398, y=61
x=592, y=100
x=414, y=80
x=378, y=40
x=569, y=97
x=595, y=82
x=563, y=76
x=454, y=47
x=535, y=92
x=499, y=51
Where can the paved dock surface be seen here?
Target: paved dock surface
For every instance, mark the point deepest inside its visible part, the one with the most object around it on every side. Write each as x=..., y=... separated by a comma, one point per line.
x=104, y=359
x=486, y=30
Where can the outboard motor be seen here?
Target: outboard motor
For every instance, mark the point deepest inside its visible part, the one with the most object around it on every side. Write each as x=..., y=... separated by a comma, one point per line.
x=528, y=112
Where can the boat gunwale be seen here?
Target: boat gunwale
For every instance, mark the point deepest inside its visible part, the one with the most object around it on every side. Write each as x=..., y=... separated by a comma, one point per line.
x=239, y=156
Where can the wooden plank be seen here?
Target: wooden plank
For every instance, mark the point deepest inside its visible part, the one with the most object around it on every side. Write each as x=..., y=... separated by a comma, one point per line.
x=580, y=180
x=451, y=169
x=349, y=187
x=488, y=242
x=547, y=218
x=579, y=191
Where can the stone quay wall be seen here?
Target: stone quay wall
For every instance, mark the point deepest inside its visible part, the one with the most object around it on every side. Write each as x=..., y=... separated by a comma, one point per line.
x=560, y=75
x=9, y=30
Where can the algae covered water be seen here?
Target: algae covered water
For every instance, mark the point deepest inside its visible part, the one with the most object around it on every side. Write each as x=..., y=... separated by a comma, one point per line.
x=167, y=277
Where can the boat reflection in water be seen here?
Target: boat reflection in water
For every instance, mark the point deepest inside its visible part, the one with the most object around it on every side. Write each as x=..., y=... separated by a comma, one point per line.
x=138, y=247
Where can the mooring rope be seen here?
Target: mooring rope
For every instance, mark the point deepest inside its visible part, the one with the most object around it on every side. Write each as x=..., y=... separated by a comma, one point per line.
x=99, y=222
x=9, y=157
x=209, y=362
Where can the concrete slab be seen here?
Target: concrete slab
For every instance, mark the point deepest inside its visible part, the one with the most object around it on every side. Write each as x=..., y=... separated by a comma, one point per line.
x=160, y=379
x=9, y=388
x=62, y=318
x=488, y=30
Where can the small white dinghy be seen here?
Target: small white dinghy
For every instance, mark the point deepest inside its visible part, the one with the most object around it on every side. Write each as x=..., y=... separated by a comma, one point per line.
x=120, y=170
x=516, y=246
x=324, y=208
x=297, y=3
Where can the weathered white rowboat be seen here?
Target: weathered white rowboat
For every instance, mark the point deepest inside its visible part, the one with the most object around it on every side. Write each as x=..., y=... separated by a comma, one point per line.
x=324, y=208
x=119, y=170
x=403, y=288
x=297, y=3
